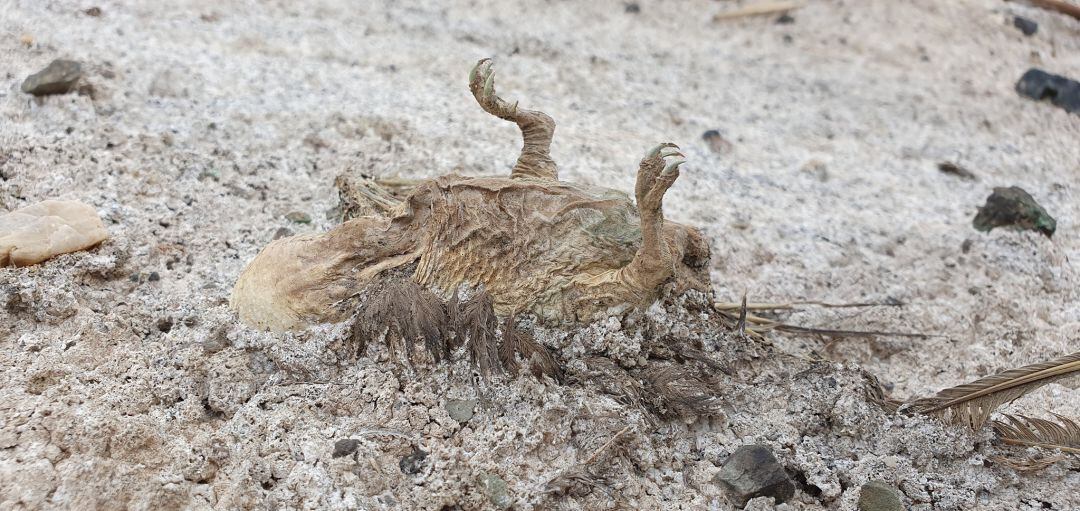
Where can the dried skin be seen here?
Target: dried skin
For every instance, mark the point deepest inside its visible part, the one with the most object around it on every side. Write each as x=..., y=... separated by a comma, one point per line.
x=562, y=251
x=47, y=229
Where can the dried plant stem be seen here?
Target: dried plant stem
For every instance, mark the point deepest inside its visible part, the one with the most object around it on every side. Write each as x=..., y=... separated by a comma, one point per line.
x=607, y=445
x=1059, y=6
x=757, y=9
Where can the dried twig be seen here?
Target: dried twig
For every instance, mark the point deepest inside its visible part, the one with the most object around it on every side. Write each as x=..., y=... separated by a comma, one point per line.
x=1058, y=6
x=757, y=9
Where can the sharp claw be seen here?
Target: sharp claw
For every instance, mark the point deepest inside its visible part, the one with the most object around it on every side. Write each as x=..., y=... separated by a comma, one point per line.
x=472, y=73
x=673, y=153
x=489, y=84
x=673, y=167
x=513, y=109
x=654, y=152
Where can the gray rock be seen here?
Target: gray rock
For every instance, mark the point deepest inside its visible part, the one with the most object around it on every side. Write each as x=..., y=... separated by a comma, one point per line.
x=460, y=410
x=496, y=490
x=299, y=217
x=345, y=447
x=878, y=496
x=59, y=77
x=752, y=471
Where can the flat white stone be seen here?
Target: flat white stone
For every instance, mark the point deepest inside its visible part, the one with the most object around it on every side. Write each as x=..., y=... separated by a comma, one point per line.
x=47, y=229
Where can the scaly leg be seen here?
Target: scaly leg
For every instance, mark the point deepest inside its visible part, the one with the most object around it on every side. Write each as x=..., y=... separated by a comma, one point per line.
x=655, y=261
x=537, y=128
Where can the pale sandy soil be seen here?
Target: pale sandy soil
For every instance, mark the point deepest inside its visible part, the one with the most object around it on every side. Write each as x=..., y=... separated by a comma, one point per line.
x=210, y=121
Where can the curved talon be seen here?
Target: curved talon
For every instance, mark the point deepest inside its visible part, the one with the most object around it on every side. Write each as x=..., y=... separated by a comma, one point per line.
x=472, y=73
x=673, y=153
x=673, y=167
x=656, y=150
x=489, y=85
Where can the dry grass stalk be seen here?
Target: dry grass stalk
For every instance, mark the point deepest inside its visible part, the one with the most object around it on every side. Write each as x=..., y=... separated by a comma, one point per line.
x=762, y=325
x=758, y=9
x=583, y=473
x=1058, y=6
x=972, y=403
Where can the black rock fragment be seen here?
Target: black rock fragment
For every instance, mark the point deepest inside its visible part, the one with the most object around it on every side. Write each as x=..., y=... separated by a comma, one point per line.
x=1025, y=25
x=955, y=169
x=59, y=77
x=752, y=471
x=1014, y=207
x=1039, y=85
x=345, y=447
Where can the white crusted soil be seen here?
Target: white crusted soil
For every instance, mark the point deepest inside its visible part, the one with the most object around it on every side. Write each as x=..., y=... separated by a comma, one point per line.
x=125, y=382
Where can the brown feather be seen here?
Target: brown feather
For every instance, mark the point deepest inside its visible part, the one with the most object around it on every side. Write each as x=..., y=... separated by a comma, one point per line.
x=1035, y=432
x=972, y=403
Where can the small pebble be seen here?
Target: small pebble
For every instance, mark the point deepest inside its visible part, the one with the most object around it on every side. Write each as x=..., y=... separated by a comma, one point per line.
x=59, y=77
x=878, y=496
x=282, y=232
x=461, y=410
x=752, y=471
x=949, y=167
x=164, y=325
x=345, y=447
x=1039, y=85
x=1025, y=25
x=299, y=217
x=496, y=490
x=717, y=143
x=93, y=12
x=633, y=8
x=1014, y=207
x=154, y=277
x=785, y=19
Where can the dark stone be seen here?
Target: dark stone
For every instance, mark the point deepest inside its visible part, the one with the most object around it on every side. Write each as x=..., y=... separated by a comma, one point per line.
x=949, y=167
x=1039, y=85
x=154, y=277
x=785, y=19
x=633, y=8
x=878, y=496
x=345, y=447
x=59, y=77
x=282, y=232
x=717, y=143
x=1013, y=207
x=164, y=325
x=412, y=463
x=93, y=12
x=1025, y=25
x=752, y=471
